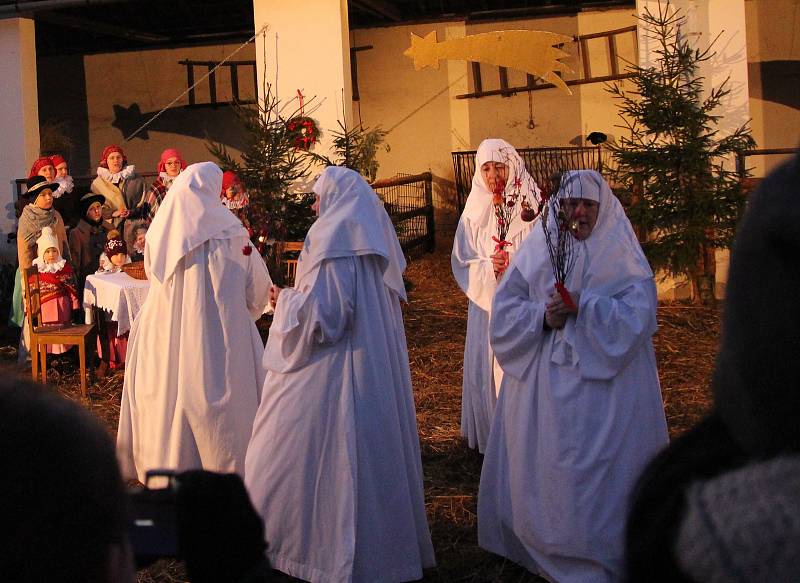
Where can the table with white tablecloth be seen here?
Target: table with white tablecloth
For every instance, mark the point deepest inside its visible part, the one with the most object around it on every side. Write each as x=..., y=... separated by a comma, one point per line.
x=118, y=294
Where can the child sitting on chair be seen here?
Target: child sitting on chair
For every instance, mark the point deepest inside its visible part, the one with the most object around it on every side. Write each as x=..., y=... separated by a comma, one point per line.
x=57, y=286
x=115, y=254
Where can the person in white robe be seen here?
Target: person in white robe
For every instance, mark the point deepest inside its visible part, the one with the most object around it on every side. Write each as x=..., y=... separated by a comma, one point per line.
x=194, y=373
x=580, y=411
x=477, y=266
x=334, y=463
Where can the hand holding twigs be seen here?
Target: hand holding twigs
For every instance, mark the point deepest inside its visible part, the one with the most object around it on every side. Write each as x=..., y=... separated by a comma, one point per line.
x=499, y=263
x=558, y=305
x=557, y=311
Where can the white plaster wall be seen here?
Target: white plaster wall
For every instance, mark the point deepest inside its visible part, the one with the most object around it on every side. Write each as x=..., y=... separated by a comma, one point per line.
x=772, y=35
x=598, y=111
x=427, y=122
x=418, y=109
x=705, y=21
x=19, y=118
x=152, y=79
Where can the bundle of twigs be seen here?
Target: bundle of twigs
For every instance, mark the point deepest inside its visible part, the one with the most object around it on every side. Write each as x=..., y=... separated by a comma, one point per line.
x=558, y=233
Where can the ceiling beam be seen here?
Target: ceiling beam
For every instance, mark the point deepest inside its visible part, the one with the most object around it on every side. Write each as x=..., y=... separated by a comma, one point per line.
x=380, y=8
x=100, y=28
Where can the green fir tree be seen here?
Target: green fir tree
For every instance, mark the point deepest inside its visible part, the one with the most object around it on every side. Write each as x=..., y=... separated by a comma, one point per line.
x=673, y=166
x=271, y=163
x=357, y=149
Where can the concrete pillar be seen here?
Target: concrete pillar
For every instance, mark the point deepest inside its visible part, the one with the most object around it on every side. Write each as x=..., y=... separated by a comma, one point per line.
x=307, y=47
x=705, y=20
x=458, y=84
x=19, y=118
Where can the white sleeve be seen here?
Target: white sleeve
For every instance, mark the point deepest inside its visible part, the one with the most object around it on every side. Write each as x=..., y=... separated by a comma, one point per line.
x=304, y=320
x=516, y=330
x=610, y=330
x=258, y=284
x=472, y=269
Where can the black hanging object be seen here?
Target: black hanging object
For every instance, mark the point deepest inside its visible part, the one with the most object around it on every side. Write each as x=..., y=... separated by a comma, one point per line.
x=596, y=138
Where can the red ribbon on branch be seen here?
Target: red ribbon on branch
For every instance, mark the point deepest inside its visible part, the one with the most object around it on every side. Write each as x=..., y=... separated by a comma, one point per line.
x=562, y=291
x=501, y=244
x=499, y=247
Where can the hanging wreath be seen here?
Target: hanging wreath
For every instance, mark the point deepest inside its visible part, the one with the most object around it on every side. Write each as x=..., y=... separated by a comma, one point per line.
x=303, y=131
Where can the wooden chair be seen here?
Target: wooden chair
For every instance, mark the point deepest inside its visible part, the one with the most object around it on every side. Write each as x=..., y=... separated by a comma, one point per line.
x=290, y=263
x=43, y=334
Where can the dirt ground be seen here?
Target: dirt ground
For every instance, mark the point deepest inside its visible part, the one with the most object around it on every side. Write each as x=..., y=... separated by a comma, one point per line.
x=435, y=319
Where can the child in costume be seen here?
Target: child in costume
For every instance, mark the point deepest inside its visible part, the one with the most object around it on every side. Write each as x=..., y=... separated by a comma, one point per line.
x=57, y=287
x=235, y=198
x=115, y=254
x=111, y=347
x=137, y=251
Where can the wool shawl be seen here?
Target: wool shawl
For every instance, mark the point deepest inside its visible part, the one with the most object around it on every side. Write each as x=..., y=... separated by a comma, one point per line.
x=33, y=220
x=56, y=285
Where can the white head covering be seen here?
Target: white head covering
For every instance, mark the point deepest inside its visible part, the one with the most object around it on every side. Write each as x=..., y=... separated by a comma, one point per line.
x=191, y=215
x=609, y=260
x=478, y=208
x=47, y=240
x=352, y=221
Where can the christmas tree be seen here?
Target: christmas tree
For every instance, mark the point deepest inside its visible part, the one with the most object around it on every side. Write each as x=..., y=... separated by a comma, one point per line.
x=274, y=159
x=355, y=148
x=673, y=166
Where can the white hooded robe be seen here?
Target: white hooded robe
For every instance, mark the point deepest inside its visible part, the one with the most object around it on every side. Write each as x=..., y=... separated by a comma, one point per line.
x=471, y=262
x=194, y=374
x=580, y=411
x=334, y=464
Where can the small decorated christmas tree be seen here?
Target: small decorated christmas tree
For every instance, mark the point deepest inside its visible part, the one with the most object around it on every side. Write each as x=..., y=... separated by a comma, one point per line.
x=273, y=160
x=672, y=165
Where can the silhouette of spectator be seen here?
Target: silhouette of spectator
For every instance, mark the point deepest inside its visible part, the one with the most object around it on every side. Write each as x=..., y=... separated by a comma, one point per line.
x=61, y=494
x=722, y=503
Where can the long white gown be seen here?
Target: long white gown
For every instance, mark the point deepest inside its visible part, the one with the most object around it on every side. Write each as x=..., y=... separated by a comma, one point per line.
x=580, y=411
x=334, y=464
x=194, y=374
x=471, y=263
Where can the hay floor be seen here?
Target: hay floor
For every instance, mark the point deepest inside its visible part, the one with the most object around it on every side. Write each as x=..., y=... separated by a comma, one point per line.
x=435, y=320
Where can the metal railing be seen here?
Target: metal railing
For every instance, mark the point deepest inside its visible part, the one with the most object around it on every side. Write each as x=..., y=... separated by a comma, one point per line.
x=541, y=163
x=409, y=202
x=741, y=157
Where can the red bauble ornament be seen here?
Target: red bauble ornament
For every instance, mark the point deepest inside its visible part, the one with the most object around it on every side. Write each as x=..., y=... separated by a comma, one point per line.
x=247, y=249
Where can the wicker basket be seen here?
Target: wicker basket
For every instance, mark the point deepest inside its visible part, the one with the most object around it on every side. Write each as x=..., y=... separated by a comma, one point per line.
x=135, y=270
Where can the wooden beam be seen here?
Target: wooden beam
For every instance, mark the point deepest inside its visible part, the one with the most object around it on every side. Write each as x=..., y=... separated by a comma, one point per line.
x=380, y=8
x=476, y=77
x=94, y=27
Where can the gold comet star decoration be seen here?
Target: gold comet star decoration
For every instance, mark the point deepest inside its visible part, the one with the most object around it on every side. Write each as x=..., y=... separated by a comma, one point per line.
x=531, y=51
